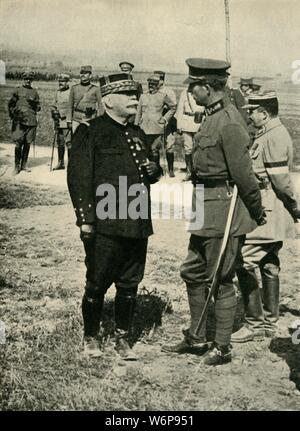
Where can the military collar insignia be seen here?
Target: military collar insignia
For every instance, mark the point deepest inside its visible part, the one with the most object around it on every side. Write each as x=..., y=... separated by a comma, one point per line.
x=215, y=107
x=260, y=131
x=274, y=122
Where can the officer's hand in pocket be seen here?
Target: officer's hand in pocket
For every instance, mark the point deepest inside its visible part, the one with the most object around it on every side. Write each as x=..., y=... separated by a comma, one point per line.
x=87, y=232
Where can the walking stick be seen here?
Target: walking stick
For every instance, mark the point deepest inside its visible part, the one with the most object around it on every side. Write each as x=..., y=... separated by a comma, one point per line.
x=53, y=146
x=218, y=271
x=164, y=149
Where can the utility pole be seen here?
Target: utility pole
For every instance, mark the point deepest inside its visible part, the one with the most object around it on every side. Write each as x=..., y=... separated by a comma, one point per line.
x=227, y=26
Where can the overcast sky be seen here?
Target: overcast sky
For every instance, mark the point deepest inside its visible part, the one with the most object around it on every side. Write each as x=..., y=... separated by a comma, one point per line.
x=265, y=34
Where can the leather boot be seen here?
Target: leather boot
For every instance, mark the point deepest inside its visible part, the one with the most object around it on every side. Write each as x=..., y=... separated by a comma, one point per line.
x=218, y=355
x=270, y=292
x=189, y=165
x=18, y=155
x=25, y=153
x=91, y=313
x=156, y=160
x=225, y=309
x=61, y=155
x=124, y=314
x=192, y=343
x=170, y=160
x=254, y=314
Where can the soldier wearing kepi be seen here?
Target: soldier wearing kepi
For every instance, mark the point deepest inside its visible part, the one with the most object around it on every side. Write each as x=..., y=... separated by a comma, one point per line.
x=23, y=107
x=59, y=114
x=84, y=100
x=220, y=160
x=154, y=112
x=127, y=67
x=272, y=155
x=110, y=152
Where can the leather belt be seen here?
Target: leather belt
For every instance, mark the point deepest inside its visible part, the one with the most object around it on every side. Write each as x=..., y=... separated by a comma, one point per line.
x=190, y=114
x=214, y=182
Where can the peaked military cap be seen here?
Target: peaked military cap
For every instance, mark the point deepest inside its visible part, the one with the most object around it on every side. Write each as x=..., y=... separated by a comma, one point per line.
x=153, y=78
x=63, y=77
x=126, y=63
x=206, y=69
x=255, y=86
x=262, y=99
x=117, y=83
x=246, y=81
x=86, y=69
x=27, y=74
x=161, y=74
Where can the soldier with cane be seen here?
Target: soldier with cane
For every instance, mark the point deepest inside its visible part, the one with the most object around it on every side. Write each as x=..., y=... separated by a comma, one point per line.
x=59, y=111
x=220, y=161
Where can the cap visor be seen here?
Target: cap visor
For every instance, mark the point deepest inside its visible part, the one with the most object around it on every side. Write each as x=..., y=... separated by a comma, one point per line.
x=250, y=106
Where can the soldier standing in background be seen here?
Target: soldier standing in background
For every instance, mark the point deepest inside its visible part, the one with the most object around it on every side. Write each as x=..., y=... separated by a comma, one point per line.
x=111, y=151
x=272, y=157
x=127, y=67
x=23, y=107
x=59, y=114
x=220, y=160
x=186, y=125
x=84, y=100
x=151, y=117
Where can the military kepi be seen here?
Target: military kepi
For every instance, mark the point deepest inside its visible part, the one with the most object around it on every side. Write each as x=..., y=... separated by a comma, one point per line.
x=86, y=69
x=263, y=99
x=117, y=83
x=206, y=69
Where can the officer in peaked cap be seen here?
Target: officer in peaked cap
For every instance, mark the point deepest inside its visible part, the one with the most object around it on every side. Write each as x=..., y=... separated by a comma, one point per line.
x=220, y=160
x=23, y=107
x=110, y=151
x=127, y=67
x=59, y=112
x=245, y=86
x=154, y=113
x=272, y=157
x=84, y=100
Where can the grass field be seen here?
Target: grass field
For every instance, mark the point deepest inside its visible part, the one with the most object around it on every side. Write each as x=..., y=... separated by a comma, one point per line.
x=42, y=276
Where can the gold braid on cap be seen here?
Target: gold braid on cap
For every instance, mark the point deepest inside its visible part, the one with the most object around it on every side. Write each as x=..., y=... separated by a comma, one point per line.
x=116, y=87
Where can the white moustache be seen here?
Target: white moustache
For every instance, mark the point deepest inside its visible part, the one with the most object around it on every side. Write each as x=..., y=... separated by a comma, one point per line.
x=133, y=104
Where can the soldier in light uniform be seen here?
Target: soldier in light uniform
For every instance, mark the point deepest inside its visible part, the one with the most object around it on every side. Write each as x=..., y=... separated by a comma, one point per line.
x=154, y=112
x=105, y=151
x=187, y=126
x=84, y=100
x=23, y=107
x=127, y=67
x=59, y=114
x=220, y=160
x=272, y=156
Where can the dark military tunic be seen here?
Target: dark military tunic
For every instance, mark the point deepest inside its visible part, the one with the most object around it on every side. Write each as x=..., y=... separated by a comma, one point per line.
x=23, y=105
x=102, y=152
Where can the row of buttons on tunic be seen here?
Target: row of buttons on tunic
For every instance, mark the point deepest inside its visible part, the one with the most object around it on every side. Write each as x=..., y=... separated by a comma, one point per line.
x=81, y=211
x=136, y=160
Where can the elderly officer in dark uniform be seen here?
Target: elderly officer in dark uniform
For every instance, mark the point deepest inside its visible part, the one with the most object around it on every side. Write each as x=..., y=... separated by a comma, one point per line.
x=84, y=100
x=23, y=107
x=220, y=160
x=110, y=152
x=59, y=114
x=272, y=156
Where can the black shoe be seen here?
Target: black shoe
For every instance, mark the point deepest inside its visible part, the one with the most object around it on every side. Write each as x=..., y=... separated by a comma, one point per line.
x=188, y=345
x=171, y=174
x=218, y=355
x=124, y=350
x=58, y=167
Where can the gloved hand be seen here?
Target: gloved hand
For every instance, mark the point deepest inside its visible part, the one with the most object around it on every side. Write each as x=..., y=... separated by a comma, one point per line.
x=163, y=121
x=87, y=232
x=69, y=125
x=295, y=213
x=150, y=168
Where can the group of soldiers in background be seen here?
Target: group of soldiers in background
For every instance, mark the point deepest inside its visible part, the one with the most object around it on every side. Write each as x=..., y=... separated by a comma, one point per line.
x=220, y=153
